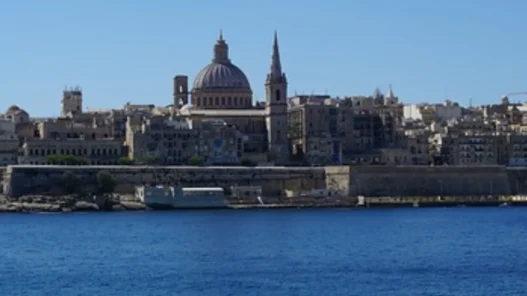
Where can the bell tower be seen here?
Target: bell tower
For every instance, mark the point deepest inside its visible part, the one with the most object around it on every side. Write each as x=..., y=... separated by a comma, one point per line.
x=180, y=91
x=276, y=109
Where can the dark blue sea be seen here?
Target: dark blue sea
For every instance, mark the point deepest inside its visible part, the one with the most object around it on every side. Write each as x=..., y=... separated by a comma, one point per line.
x=444, y=251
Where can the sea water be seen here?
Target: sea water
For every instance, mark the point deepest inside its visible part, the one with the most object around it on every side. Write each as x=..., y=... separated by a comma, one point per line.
x=443, y=251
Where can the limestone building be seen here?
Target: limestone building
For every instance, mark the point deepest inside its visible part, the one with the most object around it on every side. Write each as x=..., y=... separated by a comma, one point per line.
x=71, y=101
x=325, y=130
x=166, y=140
x=221, y=91
x=219, y=143
x=175, y=140
x=93, y=152
x=8, y=142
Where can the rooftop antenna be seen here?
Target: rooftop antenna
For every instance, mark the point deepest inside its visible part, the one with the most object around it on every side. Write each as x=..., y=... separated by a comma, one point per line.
x=470, y=102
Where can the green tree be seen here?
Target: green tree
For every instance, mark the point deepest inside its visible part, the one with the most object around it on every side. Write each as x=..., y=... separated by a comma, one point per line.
x=196, y=160
x=247, y=162
x=70, y=182
x=105, y=182
x=125, y=161
x=66, y=160
x=150, y=160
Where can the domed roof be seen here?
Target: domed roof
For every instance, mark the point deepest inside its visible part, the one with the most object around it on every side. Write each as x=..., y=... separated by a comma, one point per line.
x=221, y=73
x=13, y=109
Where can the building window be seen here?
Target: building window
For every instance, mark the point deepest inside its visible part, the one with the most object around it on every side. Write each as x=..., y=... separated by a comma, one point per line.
x=277, y=95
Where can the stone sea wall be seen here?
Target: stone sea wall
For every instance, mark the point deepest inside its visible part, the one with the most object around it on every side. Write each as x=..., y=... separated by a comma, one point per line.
x=373, y=181
x=377, y=181
x=2, y=172
x=23, y=179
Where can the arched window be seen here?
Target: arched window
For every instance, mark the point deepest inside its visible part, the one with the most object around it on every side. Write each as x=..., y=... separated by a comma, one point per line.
x=277, y=95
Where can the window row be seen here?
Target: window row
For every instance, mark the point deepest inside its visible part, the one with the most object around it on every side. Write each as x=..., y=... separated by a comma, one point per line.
x=229, y=101
x=77, y=152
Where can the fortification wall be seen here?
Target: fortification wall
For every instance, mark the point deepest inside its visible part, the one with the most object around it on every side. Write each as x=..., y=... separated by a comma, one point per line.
x=338, y=179
x=348, y=180
x=424, y=180
x=22, y=180
x=2, y=173
x=517, y=180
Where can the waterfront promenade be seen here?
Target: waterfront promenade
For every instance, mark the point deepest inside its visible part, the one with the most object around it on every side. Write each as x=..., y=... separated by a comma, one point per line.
x=117, y=203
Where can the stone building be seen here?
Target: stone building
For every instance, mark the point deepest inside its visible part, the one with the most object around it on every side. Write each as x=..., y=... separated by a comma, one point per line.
x=221, y=91
x=319, y=130
x=219, y=143
x=16, y=115
x=517, y=150
x=70, y=128
x=71, y=102
x=471, y=149
x=93, y=152
x=429, y=113
x=416, y=148
x=170, y=141
x=175, y=140
x=324, y=130
x=8, y=142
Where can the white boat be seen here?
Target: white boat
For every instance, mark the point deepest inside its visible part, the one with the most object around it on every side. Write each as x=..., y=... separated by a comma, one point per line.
x=199, y=198
x=181, y=197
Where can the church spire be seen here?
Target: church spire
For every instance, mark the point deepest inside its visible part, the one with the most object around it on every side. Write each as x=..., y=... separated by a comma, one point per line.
x=390, y=94
x=276, y=74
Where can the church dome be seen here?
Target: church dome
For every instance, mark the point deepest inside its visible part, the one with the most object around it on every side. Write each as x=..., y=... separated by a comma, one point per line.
x=13, y=109
x=221, y=73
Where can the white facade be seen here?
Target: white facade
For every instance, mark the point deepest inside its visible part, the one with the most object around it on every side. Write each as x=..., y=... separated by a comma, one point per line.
x=439, y=112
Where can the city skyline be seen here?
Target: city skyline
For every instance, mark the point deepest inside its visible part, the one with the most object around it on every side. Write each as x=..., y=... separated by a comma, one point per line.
x=428, y=52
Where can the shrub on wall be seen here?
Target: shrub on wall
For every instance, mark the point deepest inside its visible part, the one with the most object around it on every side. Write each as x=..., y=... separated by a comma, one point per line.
x=70, y=182
x=247, y=162
x=105, y=182
x=125, y=161
x=66, y=160
x=196, y=160
x=150, y=160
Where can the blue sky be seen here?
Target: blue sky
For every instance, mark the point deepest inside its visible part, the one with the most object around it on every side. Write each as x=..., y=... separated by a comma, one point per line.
x=120, y=51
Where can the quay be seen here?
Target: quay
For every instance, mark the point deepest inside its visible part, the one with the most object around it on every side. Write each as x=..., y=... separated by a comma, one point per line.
x=443, y=201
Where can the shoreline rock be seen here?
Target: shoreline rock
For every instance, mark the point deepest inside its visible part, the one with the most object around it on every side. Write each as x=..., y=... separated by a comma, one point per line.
x=68, y=203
